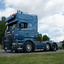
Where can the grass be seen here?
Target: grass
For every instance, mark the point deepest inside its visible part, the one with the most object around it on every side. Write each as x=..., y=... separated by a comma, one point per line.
x=55, y=58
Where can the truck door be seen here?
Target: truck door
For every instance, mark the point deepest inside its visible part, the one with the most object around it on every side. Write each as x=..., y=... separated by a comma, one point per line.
x=23, y=32
x=26, y=30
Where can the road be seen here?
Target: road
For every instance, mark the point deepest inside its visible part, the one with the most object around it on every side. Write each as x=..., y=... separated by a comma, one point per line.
x=8, y=53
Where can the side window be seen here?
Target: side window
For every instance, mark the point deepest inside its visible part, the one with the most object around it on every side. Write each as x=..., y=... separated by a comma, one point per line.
x=24, y=25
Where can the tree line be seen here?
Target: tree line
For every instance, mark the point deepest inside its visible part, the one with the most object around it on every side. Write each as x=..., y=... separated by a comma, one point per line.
x=43, y=38
x=2, y=28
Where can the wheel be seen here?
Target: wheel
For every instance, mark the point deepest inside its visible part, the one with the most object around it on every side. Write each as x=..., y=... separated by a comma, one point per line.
x=54, y=47
x=11, y=50
x=28, y=47
x=47, y=47
x=16, y=51
x=5, y=50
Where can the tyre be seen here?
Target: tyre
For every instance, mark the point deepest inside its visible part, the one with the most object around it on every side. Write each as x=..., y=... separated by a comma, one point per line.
x=11, y=50
x=47, y=47
x=54, y=47
x=16, y=51
x=5, y=50
x=28, y=47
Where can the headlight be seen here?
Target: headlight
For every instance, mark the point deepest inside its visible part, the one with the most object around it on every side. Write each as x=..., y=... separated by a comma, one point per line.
x=15, y=44
x=12, y=31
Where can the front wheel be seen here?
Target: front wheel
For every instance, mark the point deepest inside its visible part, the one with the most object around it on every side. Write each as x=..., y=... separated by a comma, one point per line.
x=28, y=47
x=16, y=51
x=5, y=50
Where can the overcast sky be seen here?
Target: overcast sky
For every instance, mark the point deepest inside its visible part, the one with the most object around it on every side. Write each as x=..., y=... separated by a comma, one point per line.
x=50, y=14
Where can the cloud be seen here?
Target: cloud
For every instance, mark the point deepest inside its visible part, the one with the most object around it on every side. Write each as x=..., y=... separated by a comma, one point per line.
x=42, y=8
x=30, y=6
x=53, y=25
x=53, y=22
x=54, y=6
x=7, y=12
x=50, y=14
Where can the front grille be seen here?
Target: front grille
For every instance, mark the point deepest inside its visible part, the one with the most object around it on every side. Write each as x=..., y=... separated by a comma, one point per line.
x=7, y=41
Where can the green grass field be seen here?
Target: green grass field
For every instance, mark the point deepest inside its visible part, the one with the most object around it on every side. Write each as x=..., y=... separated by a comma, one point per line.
x=55, y=58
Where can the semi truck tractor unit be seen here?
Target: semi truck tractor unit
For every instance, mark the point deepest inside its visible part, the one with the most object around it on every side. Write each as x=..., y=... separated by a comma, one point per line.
x=22, y=33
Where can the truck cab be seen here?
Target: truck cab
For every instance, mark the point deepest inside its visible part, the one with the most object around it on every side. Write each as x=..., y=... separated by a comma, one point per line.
x=22, y=33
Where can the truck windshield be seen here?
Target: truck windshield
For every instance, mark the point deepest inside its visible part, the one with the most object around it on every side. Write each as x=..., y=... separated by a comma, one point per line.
x=12, y=26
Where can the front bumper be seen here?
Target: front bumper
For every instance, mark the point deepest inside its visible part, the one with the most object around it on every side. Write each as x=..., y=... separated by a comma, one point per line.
x=17, y=47
x=14, y=47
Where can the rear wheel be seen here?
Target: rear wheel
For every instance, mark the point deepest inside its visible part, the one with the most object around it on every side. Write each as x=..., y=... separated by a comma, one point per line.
x=47, y=47
x=28, y=47
x=54, y=47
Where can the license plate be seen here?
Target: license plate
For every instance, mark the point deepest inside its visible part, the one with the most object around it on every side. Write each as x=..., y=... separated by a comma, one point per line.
x=19, y=48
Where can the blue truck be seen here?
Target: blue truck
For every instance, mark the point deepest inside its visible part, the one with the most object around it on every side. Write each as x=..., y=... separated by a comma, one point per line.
x=22, y=32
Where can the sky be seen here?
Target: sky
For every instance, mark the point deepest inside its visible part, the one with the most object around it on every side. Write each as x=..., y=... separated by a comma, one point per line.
x=50, y=14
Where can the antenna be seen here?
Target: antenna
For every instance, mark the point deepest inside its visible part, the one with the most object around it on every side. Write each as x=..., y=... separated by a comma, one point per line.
x=18, y=11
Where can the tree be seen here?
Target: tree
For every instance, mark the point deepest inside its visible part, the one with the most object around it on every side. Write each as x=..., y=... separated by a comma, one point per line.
x=45, y=38
x=2, y=29
x=3, y=18
x=39, y=37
